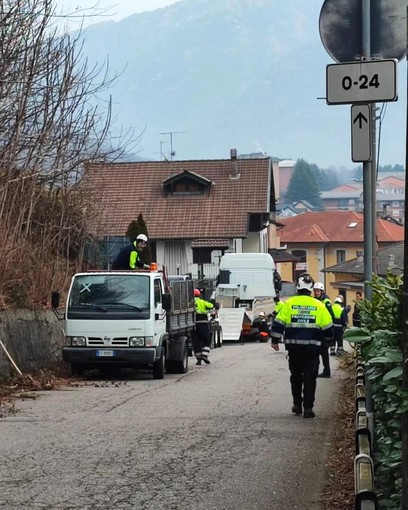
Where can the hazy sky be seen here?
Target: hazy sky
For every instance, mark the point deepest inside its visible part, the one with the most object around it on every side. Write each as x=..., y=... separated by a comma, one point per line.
x=109, y=9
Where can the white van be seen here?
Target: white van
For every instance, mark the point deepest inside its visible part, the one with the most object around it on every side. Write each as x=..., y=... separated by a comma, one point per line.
x=245, y=286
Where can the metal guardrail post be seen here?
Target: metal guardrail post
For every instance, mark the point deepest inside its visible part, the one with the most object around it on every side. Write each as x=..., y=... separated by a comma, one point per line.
x=365, y=497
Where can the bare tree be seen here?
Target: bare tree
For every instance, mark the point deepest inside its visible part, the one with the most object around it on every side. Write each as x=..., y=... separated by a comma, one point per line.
x=50, y=124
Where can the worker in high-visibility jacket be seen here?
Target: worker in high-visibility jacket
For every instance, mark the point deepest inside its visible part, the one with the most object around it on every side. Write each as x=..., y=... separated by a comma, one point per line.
x=320, y=294
x=278, y=305
x=304, y=324
x=129, y=255
x=201, y=337
x=340, y=322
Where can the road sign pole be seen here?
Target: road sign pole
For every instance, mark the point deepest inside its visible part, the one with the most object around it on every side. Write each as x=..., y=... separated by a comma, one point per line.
x=367, y=171
x=374, y=173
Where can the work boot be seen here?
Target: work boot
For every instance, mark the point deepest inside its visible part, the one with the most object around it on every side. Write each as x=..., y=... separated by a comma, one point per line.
x=332, y=351
x=324, y=374
x=297, y=410
x=308, y=413
x=206, y=360
x=198, y=362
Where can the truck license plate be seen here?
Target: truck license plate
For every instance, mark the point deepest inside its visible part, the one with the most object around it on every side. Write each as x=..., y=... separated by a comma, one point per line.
x=105, y=354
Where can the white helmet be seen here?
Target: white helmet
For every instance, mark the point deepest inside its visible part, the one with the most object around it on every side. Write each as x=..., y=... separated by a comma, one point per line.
x=141, y=237
x=339, y=299
x=319, y=286
x=262, y=315
x=305, y=282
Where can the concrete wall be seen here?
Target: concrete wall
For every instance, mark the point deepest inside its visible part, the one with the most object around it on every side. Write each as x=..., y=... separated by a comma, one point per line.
x=33, y=339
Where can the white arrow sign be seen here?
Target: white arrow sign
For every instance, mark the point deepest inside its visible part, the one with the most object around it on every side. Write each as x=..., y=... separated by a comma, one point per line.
x=361, y=133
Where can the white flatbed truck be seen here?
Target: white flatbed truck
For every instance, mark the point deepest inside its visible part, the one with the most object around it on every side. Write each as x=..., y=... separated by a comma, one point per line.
x=127, y=319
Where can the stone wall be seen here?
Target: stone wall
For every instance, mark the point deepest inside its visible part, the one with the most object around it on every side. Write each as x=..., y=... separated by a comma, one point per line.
x=34, y=339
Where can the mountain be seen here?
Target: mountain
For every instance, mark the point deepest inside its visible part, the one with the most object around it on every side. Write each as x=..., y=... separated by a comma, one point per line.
x=211, y=75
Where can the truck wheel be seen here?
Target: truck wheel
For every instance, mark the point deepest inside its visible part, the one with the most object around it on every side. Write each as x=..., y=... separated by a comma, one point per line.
x=183, y=364
x=159, y=366
x=178, y=367
x=77, y=370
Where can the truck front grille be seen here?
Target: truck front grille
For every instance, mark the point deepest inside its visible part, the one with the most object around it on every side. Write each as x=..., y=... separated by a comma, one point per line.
x=121, y=341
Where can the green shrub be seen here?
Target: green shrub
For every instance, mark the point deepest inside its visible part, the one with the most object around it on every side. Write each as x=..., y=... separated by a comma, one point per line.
x=380, y=337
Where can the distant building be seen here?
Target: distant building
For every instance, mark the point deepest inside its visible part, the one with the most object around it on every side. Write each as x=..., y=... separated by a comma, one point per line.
x=285, y=174
x=390, y=197
x=323, y=239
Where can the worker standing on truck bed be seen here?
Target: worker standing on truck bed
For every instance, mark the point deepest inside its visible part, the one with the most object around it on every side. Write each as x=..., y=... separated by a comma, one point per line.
x=129, y=255
x=201, y=338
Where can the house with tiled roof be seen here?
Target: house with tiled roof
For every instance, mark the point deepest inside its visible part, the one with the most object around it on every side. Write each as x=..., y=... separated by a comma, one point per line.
x=390, y=197
x=324, y=239
x=194, y=210
x=349, y=275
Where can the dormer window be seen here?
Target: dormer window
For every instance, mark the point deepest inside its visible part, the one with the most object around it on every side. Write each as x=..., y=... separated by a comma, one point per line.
x=186, y=183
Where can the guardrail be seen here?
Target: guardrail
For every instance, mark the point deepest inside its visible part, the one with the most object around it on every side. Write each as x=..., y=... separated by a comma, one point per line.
x=365, y=496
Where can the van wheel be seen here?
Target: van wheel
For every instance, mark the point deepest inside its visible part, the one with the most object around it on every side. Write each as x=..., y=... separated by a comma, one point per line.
x=159, y=366
x=219, y=338
x=213, y=340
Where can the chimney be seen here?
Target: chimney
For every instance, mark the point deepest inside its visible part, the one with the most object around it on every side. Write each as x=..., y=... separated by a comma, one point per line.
x=234, y=164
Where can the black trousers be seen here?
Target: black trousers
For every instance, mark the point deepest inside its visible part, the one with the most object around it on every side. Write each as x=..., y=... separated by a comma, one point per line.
x=304, y=367
x=201, y=339
x=338, y=337
x=324, y=353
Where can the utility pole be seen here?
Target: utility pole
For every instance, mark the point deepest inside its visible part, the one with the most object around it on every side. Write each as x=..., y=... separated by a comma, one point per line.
x=404, y=319
x=171, y=133
x=367, y=166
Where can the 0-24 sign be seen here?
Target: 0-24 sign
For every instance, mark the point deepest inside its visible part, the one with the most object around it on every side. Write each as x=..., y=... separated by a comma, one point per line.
x=361, y=82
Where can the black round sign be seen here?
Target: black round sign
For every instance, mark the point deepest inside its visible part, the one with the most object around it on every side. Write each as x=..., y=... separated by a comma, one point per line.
x=340, y=26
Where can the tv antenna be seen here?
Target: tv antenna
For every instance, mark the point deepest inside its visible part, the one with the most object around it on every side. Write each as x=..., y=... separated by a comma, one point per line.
x=171, y=133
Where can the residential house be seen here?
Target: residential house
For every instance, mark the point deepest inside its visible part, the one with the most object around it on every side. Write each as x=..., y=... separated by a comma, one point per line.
x=299, y=207
x=195, y=211
x=349, y=275
x=323, y=239
x=390, y=197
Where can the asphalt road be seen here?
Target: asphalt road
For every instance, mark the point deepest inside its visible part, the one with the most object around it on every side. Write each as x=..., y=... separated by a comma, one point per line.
x=221, y=437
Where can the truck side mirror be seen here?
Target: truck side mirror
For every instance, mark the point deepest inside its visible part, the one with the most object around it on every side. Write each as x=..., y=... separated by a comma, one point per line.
x=166, y=302
x=55, y=302
x=55, y=299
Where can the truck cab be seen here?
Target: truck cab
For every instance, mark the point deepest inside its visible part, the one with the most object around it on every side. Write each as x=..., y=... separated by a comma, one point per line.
x=245, y=286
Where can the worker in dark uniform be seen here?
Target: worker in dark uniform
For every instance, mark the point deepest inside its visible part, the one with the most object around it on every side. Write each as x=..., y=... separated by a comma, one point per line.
x=129, y=255
x=340, y=324
x=319, y=293
x=201, y=338
x=304, y=323
x=356, y=312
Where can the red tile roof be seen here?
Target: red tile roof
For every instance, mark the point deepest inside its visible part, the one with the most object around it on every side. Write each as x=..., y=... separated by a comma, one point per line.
x=123, y=190
x=335, y=226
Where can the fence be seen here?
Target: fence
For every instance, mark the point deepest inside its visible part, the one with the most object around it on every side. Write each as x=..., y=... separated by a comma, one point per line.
x=365, y=496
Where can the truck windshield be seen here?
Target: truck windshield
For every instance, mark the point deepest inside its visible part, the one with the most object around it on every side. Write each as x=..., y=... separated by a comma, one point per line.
x=103, y=293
